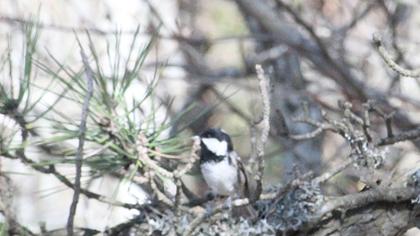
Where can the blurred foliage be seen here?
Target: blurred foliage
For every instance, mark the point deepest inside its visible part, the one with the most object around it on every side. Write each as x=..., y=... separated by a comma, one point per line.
x=117, y=113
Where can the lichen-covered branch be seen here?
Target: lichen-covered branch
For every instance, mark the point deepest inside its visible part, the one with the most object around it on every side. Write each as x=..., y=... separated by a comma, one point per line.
x=377, y=41
x=265, y=130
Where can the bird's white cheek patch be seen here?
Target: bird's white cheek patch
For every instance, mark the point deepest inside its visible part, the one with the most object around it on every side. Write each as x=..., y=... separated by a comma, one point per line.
x=214, y=145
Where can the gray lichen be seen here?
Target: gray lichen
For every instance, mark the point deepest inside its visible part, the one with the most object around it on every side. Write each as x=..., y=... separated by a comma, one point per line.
x=291, y=211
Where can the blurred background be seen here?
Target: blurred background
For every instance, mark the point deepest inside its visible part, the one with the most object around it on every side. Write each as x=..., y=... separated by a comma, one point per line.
x=201, y=63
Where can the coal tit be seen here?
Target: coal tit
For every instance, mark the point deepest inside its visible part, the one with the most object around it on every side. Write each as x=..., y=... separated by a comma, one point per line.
x=221, y=166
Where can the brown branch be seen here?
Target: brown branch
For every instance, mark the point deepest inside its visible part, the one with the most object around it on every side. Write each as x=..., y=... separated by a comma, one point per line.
x=307, y=27
x=404, y=136
x=351, y=201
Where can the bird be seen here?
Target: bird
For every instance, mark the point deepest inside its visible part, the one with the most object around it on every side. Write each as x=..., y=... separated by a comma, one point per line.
x=221, y=167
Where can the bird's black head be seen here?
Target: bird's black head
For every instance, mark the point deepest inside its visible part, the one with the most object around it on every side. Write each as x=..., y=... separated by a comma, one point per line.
x=215, y=145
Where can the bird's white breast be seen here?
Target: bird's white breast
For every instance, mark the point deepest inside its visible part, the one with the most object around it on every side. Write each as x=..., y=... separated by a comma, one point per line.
x=220, y=176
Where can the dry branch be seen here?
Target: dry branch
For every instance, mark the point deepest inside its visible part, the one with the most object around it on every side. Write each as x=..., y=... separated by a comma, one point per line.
x=265, y=130
x=377, y=41
x=82, y=131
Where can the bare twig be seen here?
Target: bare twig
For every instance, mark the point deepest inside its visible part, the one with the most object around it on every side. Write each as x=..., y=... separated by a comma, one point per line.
x=366, y=121
x=305, y=118
x=231, y=106
x=328, y=175
x=82, y=131
x=377, y=41
x=404, y=136
x=307, y=27
x=51, y=170
x=386, y=116
x=309, y=135
x=264, y=85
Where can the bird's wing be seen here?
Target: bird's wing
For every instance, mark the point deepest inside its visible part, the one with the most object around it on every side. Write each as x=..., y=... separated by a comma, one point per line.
x=243, y=183
x=245, y=187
